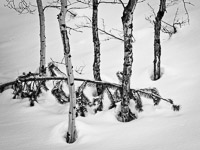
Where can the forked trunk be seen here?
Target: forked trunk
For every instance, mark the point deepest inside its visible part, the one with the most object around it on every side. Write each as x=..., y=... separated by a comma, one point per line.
x=42, y=68
x=72, y=133
x=157, y=45
x=126, y=115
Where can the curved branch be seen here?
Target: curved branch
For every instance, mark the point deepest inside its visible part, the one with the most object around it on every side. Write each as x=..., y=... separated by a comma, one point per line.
x=8, y=85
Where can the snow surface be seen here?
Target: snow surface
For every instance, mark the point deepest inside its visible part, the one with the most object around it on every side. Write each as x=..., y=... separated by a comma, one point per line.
x=157, y=128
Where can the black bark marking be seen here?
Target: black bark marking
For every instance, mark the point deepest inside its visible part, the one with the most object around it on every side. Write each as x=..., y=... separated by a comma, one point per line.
x=63, y=25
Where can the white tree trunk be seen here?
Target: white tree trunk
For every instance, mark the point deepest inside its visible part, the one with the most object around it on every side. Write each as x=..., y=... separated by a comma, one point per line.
x=72, y=133
x=42, y=69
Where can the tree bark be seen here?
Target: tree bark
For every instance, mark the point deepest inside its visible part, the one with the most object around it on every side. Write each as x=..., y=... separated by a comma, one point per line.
x=96, y=41
x=126, y=115
x=157, y=45
x=42, y=68
x=72, y=133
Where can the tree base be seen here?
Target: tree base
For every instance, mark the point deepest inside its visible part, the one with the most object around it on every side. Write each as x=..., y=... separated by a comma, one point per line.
x=32, y=103
x=71, y=138
x=156, y=75
x=42, y=70
x=126, y=117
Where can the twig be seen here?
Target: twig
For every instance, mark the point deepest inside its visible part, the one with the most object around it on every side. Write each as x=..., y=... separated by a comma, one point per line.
x=167, y=100
x=141, y=1
x=51, y=6
x=103, y=31
x=80, y=69
x=176, y=14
x=186, y=11
x=57, y=62
x=22, y=8
x=85, y=2
x=73, y=29
x=122, y=3
x=152, y=9
x=109, y=2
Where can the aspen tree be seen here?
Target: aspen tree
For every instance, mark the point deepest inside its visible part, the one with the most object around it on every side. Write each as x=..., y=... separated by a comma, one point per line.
x=157, y=45
x=125, y=114
x=72, y=133
x=42, y=69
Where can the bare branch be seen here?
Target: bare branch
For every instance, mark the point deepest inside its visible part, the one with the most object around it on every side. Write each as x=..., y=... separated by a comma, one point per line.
x=171, y=2
x=175, y=16
x=167, y=27
x=122, y=3
x=186, y=11
x=148, y=18
x=88, y=19
x=73, y=29
x=79, y=70
x=152, y=9
x=188, y=3
x=57, y=62
x=110, y=34
x=109, y=2
x=51, y=6
x=62, y=59
x=167, y=23
x=78, y=8
x=89, y=2
x=22, y=8
x=10, y=85
x=141, y=1
x=86, y=2
x=103, y=31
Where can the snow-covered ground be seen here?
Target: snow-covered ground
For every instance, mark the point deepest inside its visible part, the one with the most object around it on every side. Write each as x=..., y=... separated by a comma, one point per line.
x=157, y=128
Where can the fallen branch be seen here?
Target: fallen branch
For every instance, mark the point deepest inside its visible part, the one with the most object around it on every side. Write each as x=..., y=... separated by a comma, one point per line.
x=22, y=79
x=9, y=85
x=167, y=100
x=6, y=86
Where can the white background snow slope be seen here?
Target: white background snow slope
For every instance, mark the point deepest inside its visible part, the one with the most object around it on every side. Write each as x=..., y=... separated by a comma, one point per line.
x=157, y=128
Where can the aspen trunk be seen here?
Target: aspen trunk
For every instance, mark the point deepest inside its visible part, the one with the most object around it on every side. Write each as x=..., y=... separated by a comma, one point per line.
x=157, y=45
x=42, y=69
x=72, y=133
x=97, y=60
x=126, y=115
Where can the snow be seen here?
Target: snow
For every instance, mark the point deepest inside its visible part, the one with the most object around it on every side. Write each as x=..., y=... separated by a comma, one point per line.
x=44, y=126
